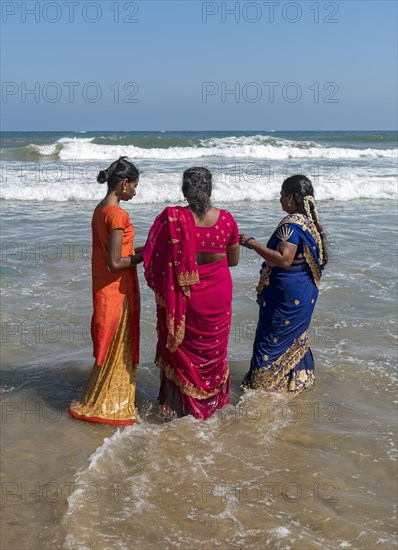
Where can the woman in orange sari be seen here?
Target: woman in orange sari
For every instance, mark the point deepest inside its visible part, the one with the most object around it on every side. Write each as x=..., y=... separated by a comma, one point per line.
x=186, y=261
x=109, y=393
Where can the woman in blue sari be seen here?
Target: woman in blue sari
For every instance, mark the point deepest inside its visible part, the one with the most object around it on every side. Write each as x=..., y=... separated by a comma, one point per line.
x=287, y=293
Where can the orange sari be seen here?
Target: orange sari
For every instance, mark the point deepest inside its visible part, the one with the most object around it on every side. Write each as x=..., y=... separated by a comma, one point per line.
x=109, y=393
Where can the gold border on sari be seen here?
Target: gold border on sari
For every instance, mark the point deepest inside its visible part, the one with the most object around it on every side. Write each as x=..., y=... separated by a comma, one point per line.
x=109, y=392
x=187, y=388
x=187, y=278
x=301, y=381
x=174, y=339
x=306, y=224
x=309, y=257
x=264, y=280
x=284, y=233
x=271, y=376
x=309, y=226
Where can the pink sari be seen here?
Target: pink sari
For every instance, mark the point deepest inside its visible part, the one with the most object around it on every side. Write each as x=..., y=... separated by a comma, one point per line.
x=194, y=317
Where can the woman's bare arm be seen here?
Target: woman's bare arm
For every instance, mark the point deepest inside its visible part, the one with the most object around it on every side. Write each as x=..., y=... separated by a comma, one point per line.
x=233, y=254
x=115, y=259
x=282, y=257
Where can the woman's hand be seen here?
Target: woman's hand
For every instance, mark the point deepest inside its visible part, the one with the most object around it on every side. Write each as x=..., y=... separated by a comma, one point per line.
x=283, y=256
x=243, y=238
x=136, y=259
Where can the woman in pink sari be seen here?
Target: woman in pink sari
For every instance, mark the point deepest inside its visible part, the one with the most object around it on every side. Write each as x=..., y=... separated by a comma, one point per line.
x=186, y=260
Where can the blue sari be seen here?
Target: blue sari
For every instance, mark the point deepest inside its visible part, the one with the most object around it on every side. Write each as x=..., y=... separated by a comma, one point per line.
x=282, y=359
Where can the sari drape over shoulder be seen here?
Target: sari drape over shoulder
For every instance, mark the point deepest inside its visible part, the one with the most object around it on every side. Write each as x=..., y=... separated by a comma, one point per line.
x=108, y=395
x=193, y=316
x=171, y=269
x=282, y=359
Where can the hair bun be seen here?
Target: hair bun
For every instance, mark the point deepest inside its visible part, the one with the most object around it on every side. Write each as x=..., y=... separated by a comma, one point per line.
x=102, y=176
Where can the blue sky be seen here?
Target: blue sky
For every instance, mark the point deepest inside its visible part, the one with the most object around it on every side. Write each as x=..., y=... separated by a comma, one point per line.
x=190, y=65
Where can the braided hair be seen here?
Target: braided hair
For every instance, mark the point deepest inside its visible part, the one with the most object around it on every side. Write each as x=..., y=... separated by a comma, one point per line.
x=196, y=188
x=303, y=192
x=119, y=170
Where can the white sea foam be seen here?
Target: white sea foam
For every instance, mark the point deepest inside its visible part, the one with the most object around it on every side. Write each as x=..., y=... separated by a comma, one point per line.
x=54, y=148
x=280, y=532
x=244, y=168
x=111, y=465
x=80, y=149
x=157, y=190
x=45, y=150
x=249, y=147
x=228, y=184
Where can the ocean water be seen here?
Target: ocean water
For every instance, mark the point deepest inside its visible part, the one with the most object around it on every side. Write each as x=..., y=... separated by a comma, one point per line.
x=50, y=166
x=317, y=471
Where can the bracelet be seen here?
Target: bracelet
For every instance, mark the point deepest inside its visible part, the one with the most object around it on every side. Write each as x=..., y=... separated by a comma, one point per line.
x=247, y=245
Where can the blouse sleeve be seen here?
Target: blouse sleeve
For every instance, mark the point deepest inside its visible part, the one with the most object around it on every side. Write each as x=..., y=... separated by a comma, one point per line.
x=287, y=233
x=234, y=239
x=117, y=219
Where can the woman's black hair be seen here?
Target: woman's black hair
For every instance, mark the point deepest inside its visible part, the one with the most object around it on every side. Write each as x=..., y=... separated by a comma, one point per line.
x=300, y=187
x=196, y=187
x=117, y=171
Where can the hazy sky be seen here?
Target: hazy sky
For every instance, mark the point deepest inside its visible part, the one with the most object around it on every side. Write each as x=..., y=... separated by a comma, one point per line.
x=191, y=65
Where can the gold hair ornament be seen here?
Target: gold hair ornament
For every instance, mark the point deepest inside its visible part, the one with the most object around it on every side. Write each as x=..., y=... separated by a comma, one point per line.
x=312, y=214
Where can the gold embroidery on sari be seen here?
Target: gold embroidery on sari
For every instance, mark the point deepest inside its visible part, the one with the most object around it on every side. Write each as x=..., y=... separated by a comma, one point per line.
x=301, y=220
x=264, y=281
x=180, y=332
x=301, y=381
x=313, y=265
x=160, y=300
x=272, y=376
x=175, y=335
x=188, y=278
x=109, y=392
x=284, y=233
x=187, y=388
x=307, y=225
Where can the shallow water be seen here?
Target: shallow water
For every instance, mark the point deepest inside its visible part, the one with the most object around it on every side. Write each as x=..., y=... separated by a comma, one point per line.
x=316, y=471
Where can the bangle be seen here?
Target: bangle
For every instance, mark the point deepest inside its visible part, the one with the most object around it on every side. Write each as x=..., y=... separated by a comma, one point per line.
x=247, y=245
